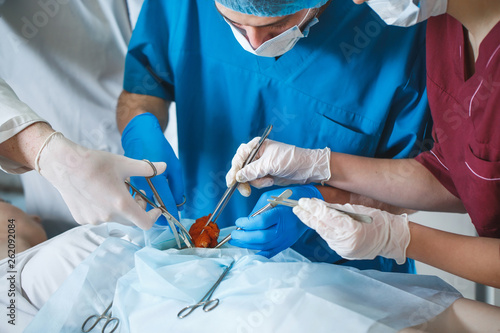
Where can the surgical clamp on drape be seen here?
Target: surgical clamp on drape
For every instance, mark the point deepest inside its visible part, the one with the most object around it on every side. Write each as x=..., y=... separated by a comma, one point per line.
x=108, y=319
x=206, y=302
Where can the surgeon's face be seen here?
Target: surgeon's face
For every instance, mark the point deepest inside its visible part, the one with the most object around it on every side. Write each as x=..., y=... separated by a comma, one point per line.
x=27, y=228
x=258, y=29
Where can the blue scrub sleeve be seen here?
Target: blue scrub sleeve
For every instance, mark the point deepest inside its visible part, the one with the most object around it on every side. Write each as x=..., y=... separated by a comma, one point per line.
x=146, y=69
x=407, y=131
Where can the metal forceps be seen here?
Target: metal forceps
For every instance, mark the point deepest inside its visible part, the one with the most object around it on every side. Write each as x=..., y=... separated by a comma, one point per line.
x=230, y=190
x=363, y=218
x=97, y=318
x=285, y=195
x=206, y=301
x=172, y=221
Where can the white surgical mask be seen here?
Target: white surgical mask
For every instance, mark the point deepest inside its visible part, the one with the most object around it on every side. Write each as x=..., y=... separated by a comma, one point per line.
x=278, y=45
x=405, y=13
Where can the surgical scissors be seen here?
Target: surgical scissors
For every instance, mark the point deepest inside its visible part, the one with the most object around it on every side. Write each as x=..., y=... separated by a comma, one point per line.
x=104, y=316
x=206, y=302
x=285, y=195
x=172, y=221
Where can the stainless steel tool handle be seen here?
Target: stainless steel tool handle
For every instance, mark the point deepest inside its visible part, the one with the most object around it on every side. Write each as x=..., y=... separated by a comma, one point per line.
x=230, y=190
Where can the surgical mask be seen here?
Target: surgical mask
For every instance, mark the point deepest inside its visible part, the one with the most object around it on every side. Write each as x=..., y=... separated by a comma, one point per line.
x=405, y=13
x=278, y=45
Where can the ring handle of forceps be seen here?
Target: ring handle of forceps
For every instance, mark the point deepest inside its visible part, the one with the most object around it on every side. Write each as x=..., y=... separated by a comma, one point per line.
x=155, y=173
x=184, y=199
x=97, y=320
x=108, y=321
x=207, y=306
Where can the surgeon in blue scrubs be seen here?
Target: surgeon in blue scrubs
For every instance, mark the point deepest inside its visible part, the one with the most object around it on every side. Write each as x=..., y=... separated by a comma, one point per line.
x=323, y=73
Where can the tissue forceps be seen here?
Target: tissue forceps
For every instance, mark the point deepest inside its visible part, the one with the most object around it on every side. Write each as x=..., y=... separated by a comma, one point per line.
x=230, y=190
x=206, y=301
x=363, y=218
x=103, y=316
x=172, y=221
x=285, y=195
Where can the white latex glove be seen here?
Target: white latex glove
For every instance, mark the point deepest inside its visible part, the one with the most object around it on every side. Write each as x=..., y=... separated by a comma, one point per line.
x=278, y=163
x=92, y=184
x=388, y=235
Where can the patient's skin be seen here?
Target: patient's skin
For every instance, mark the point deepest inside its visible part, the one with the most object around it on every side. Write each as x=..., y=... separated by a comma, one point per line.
x=28, y=230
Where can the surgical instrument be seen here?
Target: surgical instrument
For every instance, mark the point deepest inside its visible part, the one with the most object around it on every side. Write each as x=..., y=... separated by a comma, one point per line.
x=184, y=232
x=363, y=218
x=172, y=221
x=104, y=316
x=230, y=190
x=285, y=195
x=206, y=301
x=160, y=203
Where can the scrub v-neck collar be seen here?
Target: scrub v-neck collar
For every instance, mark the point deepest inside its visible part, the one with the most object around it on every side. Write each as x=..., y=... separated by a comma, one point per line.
x=489, y=46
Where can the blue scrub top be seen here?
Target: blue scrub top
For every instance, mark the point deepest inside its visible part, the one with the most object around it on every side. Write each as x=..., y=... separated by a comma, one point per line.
x=354, y=85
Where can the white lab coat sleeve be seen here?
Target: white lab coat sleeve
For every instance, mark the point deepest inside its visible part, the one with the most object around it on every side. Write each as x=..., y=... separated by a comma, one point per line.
x=15, y=116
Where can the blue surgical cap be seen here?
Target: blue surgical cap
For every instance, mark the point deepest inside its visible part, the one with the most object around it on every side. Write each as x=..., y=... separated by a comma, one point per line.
x=270, y=7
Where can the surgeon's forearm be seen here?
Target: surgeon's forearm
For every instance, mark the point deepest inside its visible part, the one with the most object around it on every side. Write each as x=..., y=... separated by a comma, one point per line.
x=402, y=183
x=24, y=146
x=473, y=258
x=131, y=105
x=335, y=195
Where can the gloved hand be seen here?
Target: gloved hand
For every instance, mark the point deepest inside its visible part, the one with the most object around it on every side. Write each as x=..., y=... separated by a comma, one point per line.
x=143, y=138
x=388, y=235
x=92, y=184
x=278, y=163
x=276, y=229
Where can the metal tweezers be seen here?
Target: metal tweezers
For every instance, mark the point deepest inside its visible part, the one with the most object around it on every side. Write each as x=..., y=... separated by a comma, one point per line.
x=285, y=195
x=172, y=221
x=230, y=190
x=292, y=203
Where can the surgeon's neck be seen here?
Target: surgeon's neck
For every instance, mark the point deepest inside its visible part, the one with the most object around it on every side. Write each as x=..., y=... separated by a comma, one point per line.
x=322, y=8
x=477, y=16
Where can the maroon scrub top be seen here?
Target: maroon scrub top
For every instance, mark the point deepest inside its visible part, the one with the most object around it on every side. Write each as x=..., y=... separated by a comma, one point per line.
x=466, y=112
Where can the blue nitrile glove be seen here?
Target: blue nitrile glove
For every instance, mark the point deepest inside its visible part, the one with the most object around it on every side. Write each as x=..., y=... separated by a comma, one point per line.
x=143, y=138
x=276, y=229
